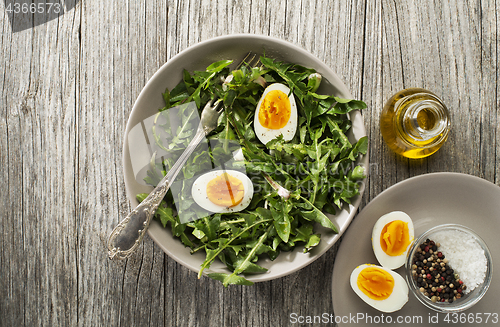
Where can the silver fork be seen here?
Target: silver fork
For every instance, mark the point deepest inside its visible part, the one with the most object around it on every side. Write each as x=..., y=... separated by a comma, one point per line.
x=128, y=234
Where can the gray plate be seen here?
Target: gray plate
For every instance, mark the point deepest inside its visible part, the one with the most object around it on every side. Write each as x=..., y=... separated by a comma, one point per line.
x=198, y=57
x=430, y=200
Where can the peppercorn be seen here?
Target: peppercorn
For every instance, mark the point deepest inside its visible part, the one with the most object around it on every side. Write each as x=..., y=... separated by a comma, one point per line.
x=436, y=279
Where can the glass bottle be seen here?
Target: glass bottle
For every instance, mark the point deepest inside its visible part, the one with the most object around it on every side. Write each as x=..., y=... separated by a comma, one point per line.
x=415, y=123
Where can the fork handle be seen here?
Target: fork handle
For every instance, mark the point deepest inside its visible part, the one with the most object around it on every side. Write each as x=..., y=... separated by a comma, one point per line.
x=128, y=234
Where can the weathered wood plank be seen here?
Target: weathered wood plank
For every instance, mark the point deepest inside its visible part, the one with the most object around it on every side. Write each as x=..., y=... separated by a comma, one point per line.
x=371, y=92
x=123, y=44
x=489, y=93
x=39, y=266
x=12, y=262
x=135, y=287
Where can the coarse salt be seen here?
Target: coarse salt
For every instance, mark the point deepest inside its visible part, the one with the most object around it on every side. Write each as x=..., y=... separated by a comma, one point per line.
x=465, y=255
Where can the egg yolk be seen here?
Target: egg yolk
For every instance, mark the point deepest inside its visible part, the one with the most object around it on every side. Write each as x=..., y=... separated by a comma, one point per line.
x=225, y=190
x=375, y=283
x=395, y=238
x=274, y=111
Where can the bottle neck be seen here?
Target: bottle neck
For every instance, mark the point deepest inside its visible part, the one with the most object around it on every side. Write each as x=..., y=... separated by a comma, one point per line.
x=422, y=117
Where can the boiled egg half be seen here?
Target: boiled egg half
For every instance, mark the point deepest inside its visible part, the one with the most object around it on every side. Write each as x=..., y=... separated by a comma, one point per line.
x=276, y=114
x=392, y=236
x=222, y=191
x=381, y=288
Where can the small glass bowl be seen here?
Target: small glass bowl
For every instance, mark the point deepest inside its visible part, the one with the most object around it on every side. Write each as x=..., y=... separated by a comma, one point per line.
x=467, y=300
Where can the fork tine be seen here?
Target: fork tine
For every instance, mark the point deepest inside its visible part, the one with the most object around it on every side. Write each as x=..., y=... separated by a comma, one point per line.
x=218, y=106
x=254, y=61
x=244, y=60
x=251, y=60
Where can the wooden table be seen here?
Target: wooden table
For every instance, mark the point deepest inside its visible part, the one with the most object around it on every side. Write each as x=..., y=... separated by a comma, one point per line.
x=68, y=86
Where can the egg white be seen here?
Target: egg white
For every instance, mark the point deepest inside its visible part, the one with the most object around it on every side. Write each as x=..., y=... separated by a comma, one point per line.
x=388, y=261
x=394, y=302
x=265, y=134
x=199, y=191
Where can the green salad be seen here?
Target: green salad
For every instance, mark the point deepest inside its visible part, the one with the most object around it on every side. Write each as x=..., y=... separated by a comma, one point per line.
x=296, y=180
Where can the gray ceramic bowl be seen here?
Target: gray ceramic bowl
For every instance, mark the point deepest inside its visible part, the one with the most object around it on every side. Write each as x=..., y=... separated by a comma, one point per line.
x=198, y=57
x=466, y=301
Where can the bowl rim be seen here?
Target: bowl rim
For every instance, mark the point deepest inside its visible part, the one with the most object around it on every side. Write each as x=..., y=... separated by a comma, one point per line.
x=457, y=306
x=319, y=66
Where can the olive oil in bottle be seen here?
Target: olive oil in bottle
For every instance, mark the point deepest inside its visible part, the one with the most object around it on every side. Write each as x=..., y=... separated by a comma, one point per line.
x=414, y=123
